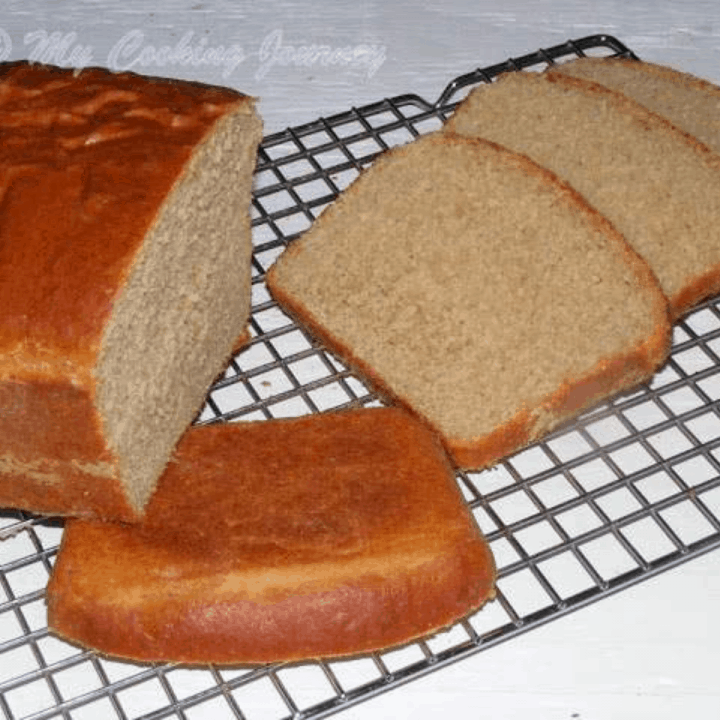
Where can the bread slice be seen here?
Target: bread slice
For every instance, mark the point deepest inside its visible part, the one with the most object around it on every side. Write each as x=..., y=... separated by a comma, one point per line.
x=320, y=536
x=125, y=264
x=656, y=184
x=689, y=102
x=472, y=286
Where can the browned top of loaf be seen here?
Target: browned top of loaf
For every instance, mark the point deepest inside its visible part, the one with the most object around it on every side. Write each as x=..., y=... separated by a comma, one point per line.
x=656, y=184
x=475, y=287
x=86, y=160
x=324, y=535
x=689, y=102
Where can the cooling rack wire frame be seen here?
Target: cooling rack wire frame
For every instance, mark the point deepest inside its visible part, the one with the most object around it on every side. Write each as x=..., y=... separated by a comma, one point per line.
x=630, y=489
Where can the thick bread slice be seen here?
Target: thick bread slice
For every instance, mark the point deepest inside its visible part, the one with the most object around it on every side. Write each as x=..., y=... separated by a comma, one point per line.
x=656, y=184
x=475, y=288
x=690, y=103
x=125, y=263
x=321, y=536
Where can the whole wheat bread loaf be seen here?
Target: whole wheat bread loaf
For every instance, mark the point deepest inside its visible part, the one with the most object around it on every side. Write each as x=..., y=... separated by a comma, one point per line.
x=327, y=535
x=656, y=184
x=474, y=287
x=125, y=264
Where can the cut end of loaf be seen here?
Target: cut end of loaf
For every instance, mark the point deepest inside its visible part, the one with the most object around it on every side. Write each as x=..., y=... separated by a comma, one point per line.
x=280, y=541
x=186, y=302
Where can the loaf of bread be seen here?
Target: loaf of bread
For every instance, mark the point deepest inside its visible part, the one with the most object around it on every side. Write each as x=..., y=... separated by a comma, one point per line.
x=688, y=102
x=475, y=288
x=125, y=264
x=321, y=536
x=656, y=184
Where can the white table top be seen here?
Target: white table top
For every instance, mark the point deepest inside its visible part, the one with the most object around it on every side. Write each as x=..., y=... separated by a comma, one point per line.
x=648, y=652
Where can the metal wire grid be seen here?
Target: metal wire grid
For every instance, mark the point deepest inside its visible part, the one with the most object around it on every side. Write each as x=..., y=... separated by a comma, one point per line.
x=628, y=490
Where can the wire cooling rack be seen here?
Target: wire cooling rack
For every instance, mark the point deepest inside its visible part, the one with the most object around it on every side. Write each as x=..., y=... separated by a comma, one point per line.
x=630, y=489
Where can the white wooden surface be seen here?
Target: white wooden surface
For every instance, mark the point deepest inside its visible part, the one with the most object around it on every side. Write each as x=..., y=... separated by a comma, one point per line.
x=650, y=652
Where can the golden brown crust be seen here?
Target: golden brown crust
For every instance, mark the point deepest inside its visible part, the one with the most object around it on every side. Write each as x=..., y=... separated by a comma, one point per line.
x=88, y=159
x=611, y=374
x=242, y=340
x=321, y=536
x=94, y=183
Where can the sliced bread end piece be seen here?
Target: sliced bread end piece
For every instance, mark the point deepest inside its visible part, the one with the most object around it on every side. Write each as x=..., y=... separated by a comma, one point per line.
x=312, y=537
